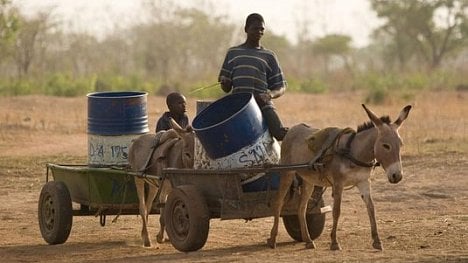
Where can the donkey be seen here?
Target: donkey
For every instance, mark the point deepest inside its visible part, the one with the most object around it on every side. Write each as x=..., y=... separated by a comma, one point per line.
x=149, y=154
x=353, y=155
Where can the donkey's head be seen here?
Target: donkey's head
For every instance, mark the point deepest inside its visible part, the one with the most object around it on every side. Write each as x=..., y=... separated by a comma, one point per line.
x=186, y=148
x=388, y=143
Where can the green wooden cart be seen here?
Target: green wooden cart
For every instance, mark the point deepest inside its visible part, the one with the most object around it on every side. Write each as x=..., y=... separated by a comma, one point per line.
x=198, y=195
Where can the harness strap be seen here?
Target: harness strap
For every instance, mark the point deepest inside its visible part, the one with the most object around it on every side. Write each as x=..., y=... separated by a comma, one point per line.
x=346, y=152
x=156, y=142
x=326, y=146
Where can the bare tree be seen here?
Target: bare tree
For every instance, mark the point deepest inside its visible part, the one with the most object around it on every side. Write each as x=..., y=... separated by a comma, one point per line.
x=9, y=26
x=26, y=41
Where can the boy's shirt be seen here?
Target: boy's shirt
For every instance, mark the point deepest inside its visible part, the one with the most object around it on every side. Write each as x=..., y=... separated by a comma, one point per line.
x=164, y=123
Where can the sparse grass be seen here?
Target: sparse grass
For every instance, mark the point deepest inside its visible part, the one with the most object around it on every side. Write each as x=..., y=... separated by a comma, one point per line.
x=414, y=226
x=438, y=123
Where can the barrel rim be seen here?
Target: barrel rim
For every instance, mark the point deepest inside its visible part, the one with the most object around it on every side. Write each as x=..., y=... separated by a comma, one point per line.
x=226, y=120
x=125, y=94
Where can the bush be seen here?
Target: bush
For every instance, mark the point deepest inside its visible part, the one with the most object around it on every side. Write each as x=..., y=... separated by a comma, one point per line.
x=122, y=83
x=416, y=81
x=377, y=85
x=377, y=95
x=16, y=88
x=64, y=85
x=313, y=86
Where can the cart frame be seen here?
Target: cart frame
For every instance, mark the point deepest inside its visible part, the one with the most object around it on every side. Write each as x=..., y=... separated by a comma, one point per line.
x=197, y=196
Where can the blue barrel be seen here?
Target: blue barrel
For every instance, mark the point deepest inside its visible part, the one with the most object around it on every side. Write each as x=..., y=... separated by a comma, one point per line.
x=234, y=134
x=229, y=124
x=117, y=113
x=114, y=120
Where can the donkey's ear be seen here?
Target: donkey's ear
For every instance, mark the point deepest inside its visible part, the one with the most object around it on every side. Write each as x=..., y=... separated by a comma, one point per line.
x=175, y=125
x=377, y=122
x=403, y=115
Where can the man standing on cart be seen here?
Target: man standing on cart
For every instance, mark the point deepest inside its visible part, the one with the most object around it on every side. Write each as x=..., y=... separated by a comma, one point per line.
x=250, y=67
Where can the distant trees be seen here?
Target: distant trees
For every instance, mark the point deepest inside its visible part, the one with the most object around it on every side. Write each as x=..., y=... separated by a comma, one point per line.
x=426, y=30
x=27, y=43
x=179, y=45
x=180, y=48
x=334, y=45
x=19, y=36
x=9, y=26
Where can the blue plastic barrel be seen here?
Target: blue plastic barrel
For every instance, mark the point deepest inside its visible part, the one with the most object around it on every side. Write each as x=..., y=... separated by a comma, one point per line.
x=229, y=124
x=114, y=120
x=234, y=134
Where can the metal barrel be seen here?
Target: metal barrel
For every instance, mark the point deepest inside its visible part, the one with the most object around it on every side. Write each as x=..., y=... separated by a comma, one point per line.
x=114, y=120
x=234, y=134
x=202, y=104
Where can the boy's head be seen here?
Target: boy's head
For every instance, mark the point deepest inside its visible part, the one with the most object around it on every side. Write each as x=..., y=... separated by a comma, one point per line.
x=176, y=103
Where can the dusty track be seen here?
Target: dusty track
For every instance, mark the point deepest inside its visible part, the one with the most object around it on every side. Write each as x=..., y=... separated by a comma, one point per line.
x=423, y=218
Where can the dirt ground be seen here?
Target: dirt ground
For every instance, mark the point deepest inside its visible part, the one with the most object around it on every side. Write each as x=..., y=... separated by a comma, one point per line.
x=424, y=218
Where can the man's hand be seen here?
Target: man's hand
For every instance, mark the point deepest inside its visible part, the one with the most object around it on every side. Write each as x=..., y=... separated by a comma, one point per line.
x=265, y=97
x=226, y=83
x=276, y=92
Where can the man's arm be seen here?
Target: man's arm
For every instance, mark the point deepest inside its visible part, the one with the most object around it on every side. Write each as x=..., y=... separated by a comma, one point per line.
x=225, y=73
x=265, y=97
x=276, y=82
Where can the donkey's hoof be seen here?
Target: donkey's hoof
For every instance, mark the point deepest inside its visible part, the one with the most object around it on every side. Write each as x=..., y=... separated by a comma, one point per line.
x=335, y=246
x=310, y=245
x=377, y=245
x=159, y=239
x=147, y=244
x=271, y=243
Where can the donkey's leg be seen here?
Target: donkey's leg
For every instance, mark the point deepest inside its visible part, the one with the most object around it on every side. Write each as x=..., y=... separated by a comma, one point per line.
x=166, y=187
x=364, y=188
x=140, y=186
x=152, y=191
x=337, y=195
x=285, y=182
x=306, y=192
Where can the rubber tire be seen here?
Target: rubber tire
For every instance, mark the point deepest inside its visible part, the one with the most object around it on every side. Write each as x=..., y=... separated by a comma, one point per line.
x=55, y=214
x=187, y=218
x=315, y=225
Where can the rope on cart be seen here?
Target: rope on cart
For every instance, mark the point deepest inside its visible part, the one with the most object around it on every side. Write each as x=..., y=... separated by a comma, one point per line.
x=124, y=197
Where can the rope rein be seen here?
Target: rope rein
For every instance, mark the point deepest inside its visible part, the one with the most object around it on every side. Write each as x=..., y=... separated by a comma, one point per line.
x=346, y=152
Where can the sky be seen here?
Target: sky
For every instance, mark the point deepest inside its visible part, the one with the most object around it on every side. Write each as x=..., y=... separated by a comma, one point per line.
x=283, y=17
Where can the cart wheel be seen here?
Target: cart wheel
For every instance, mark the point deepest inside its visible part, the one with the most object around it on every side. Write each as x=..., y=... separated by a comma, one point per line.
x=187, y=218
x=55, y=212
x=315, y=225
